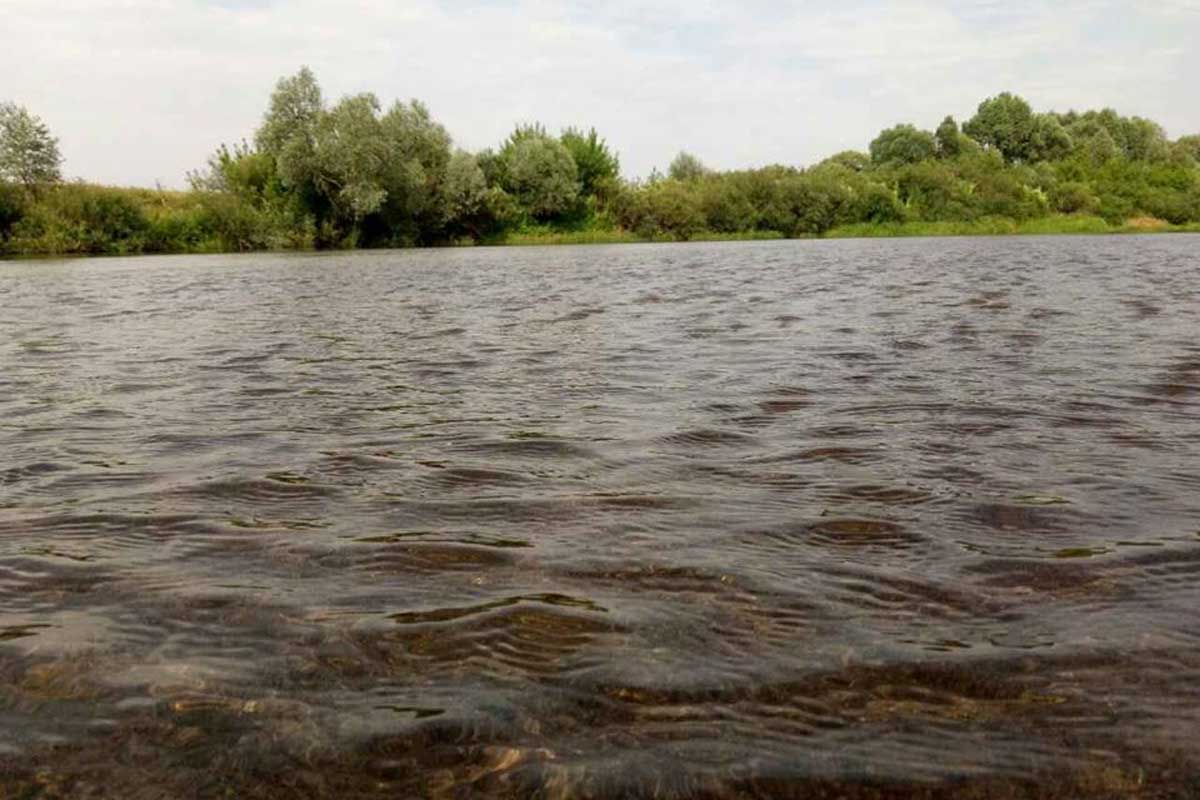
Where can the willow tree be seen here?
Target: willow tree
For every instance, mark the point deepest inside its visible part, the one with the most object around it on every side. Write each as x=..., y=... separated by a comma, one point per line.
x=540, y=173
x=354, y=169
x=287, y=138
x=418, y=156
x=296, y=105
x=464, y=195
x=349, y=157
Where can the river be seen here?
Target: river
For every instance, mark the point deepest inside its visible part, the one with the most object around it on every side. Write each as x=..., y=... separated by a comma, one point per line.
x=862, y=518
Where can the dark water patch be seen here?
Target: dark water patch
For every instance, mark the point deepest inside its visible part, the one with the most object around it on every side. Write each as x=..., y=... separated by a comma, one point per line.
x=539, y=448
x=1025, y=518
x=884, y=495
x=841, y=431
x=852, y=357
x=989, y=301
x=1169, y=575
x=472, y=538
x=910, y=598
x=28, y=472
x=1139, y=439
x=970, y=428
x=1039, y=579
x=1025, y=338
x=576, y=316
x=438, y=334
x=845, y=455
x=707, y=437
x=1180, y=381
x=860, y=533
x=437, y=615
x=786, y=403
x=471, y=477
x=10, y=632
x=258, y=490
x=341, y=467
x=962, y=332
x=649, y=502
x=951, y=474
x=102, y=527
x=42, y=582
x=1142, y=309
x=412, y=557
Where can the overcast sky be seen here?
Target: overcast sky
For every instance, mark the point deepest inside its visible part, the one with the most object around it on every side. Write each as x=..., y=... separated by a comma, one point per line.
x=140, y=91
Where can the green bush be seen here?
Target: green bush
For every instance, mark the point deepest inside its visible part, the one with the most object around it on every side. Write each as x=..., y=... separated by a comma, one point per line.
x=82, y=219
x=1074, y=197
x=12, y=209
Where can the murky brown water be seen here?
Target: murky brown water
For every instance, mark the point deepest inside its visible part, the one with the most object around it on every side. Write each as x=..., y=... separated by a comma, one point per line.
x=827, y=519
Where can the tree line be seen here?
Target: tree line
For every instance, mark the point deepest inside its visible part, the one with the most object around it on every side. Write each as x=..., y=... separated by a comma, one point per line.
x=355, y=174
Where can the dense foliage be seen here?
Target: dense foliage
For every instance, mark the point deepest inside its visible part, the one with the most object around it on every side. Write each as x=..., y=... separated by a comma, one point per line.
x=28, y=153
x=353, y=173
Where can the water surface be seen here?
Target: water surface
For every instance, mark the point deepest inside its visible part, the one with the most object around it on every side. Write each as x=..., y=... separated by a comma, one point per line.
x=870, y=518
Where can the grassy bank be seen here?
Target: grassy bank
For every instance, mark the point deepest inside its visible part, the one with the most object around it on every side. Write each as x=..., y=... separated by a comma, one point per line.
x=1059, y=224
x=84, y=219
x=1056, y=225
x=354, y=174
x=619, y=236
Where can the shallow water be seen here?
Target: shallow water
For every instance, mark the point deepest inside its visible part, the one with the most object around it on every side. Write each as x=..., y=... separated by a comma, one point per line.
x=869, y=518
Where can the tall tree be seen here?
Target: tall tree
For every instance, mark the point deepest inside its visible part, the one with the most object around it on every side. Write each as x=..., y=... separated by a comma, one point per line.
x=594, y=162
x=686, y=167
x=418, y=154
x=349, y=156
x=1145, y=140
x=949, y=141
x=903, y=144
x=1189, y=146
x=464, y=195
x=1048, y=140
x=1004, y=123
x=28, y=153
x=296, y=105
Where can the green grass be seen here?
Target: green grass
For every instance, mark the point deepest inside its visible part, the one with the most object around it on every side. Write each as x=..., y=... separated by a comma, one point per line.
x=617, y=236
x=1056, y=225
x=742, y=236
x=549, y=237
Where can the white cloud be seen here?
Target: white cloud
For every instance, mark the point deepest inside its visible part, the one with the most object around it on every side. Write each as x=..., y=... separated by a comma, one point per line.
x=142, y=90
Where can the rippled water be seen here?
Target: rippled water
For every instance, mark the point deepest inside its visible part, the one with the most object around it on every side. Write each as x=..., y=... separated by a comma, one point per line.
x=833, y=519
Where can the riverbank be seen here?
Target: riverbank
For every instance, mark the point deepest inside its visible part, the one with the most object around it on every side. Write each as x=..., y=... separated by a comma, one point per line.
x=307, y=183
x=84, y=219
x=1058, y=225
